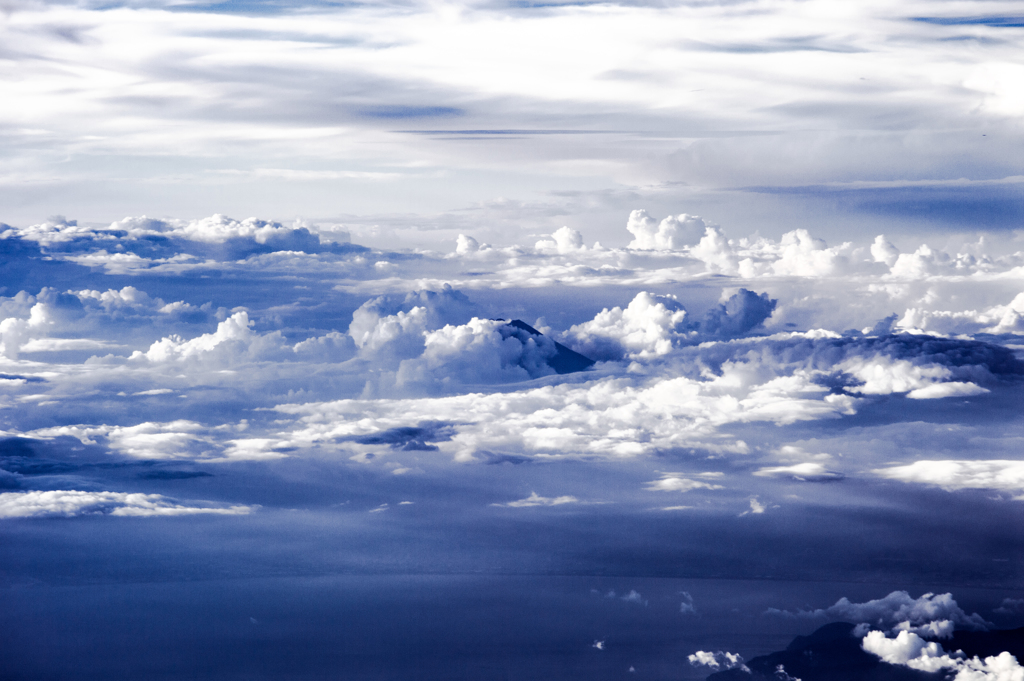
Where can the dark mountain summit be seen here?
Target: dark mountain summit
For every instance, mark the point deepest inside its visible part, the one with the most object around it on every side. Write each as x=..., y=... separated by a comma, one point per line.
x=564, y=361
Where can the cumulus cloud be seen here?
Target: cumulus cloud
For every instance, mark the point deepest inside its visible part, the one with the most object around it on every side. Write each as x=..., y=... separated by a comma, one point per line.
x=997, y=319
x=215, y=236
x=910, y=650
x=652, y=325
x=563, y=240
x=801, y=255
x=884, y=252
x=901, y=612
x=672, y=233
x=717, y=661
x=69, y=503
x=466, y=244
x=396, y=327
x=742, y=313
x=649, y=326
x=482, y=351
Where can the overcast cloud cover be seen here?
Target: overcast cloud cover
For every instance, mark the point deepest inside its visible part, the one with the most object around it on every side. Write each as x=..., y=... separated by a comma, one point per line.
x=509, y=340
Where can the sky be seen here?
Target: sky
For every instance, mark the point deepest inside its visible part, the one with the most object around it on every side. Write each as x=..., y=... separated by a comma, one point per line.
x=266, y=414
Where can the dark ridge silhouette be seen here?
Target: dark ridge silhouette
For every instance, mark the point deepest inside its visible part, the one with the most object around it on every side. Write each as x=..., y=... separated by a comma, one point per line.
x=832, y=653
x=988, y=643
x=565, y=361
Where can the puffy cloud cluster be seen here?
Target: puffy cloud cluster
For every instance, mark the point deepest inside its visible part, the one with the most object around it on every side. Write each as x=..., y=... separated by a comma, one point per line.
x=397, y=326
x=170, y=440
x=43, y=322
x=135, y=239
x=926, y=262
x=484, y=351
x=652, y=326
x=610, y=417
x=900, y=611
x=429, y=341
x=910, y=650
x=672, y=233
x=649, y=326
x=717, y=661
x=796, y=254
x=564, y=240
x=68, y=503
x=997, y=319
x=744, y=312
x=801, y=255
x=234, y=342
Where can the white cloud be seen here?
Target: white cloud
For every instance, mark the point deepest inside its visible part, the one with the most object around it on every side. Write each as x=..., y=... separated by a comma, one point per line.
x=482, y=351
x=672, y=233
x=564, y=240
x=801, y=255
x=232, y=334
x=951, y=475
x=536, y=500
x=910, y=650
x=718, y=661
x=68, y=503
x=671, y=482
x=614, y=416
x=466, y=244
x=883, y=251
x=900, y=611
x=948, y=389
x=996, y=319
x=756, y=507
x=883, y=375
x=808, y=471
x=649, y=326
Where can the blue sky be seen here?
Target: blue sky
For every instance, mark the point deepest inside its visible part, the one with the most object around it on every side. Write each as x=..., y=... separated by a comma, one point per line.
x=263, y=414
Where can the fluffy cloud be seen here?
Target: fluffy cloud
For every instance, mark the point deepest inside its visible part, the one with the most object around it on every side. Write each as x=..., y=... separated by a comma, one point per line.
x=484, y=351
x=801, y=255
x=742, y=313
x=652, y=326
x=718, y=661
x=398, y=325
x=563, y=240
x=143, y=236
x=68, y=503
x=1001, y=475
x=649, y=326
x=910, y=650
x=796, y=254
x=997, y=319
x=672, y=233
x=898, y=610
x=232, y=337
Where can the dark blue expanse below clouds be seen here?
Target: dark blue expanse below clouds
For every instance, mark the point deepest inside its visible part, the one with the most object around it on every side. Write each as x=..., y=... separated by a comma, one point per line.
x=245, y=449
